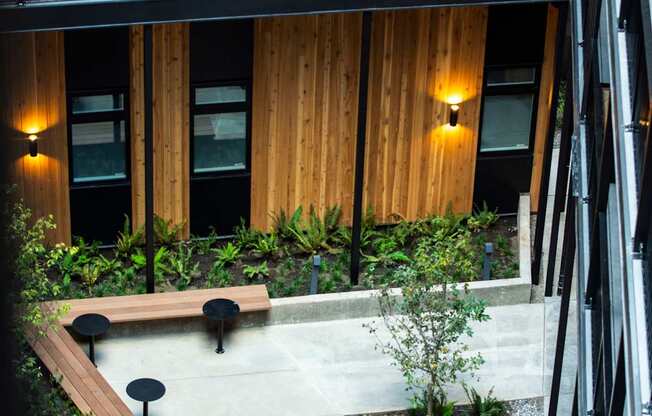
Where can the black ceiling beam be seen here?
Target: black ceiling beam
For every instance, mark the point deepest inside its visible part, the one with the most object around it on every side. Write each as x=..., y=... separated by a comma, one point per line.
x=71, y=14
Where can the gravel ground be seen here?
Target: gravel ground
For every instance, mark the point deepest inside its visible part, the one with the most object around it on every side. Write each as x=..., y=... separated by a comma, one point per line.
x=526, y=407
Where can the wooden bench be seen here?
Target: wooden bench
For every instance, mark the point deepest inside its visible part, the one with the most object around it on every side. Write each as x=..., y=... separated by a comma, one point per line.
x=80, y=379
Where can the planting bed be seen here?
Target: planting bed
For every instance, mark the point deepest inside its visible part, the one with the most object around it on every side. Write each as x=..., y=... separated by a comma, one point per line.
x=282, y=259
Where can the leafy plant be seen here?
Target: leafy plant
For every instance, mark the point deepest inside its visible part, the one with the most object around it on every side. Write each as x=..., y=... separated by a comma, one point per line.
x=161, y=261
x=368, y=231
x=182, y=266
x=89, y=273
x=227, y=254
x=128, y=241
x=266, y=245
x=483, y=406
x=316, y=234
x=166, y=232
x=482, y=219
x=218, y=276
x=205, y=244
x=27, y=286
x=427, y=322
x=283, y=225
x=244, y=236
x=441, y=405
x=258, y=271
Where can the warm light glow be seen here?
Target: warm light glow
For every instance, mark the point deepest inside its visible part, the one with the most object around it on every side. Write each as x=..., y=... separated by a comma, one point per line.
x=455, y=107
x=32, y=137
x=455, y=100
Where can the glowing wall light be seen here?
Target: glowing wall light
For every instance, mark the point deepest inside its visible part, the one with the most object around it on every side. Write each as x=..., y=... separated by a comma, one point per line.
x=453, y=114
x=33, y=145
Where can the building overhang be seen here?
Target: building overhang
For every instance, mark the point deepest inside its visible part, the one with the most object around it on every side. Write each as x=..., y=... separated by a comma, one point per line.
x=35, y=15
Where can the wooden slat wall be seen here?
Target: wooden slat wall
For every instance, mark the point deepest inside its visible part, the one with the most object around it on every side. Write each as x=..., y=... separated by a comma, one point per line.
x=171, y=114
x=420, y=61
x=306, y=71
x=545, y=103
x=137, y=123
x=33, y=101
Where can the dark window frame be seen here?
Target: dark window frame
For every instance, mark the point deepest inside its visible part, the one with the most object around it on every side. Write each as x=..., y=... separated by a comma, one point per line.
x=233, y=107
x=122, y=115
x=510, y=89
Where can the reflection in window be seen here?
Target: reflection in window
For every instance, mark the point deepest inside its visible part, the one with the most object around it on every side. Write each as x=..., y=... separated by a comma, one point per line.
x=219, y=142
x=510, y=76
x=218, y=95
x=97, y=103
x=506, y=122
x=98, y=151
x=219, y=129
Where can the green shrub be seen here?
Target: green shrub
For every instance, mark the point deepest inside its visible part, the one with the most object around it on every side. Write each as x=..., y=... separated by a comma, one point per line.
x=128, y=241
x=182, y=266
x=316, y=234
x=204, y=245
x=161, y=262
x=283, y=225
x=228, y=254
x=28, y=285
x=244, y=236
x=427, y=322
x=482, y=219
x=266, y=245
x=218, y=276
x=483, y=406
x=258, y=271
x=166, y=232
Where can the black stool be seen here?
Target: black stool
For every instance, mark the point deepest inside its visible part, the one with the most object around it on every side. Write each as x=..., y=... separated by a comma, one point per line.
x=145, y=390
x=91, y=325
x=219, y=310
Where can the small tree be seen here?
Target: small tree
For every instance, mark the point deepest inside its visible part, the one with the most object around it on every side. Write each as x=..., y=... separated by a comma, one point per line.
x=425, y=323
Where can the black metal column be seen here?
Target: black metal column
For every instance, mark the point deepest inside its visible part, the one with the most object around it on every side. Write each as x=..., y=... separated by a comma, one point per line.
x=365, y=48
x=561, y=187
x=149, y=158
x=547, y=154
x=566, y=272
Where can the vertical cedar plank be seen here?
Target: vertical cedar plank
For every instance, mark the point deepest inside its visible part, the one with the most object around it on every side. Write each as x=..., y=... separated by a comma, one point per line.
x=303, y=123
x=545, y=104
x=416, y=164
x=171, y=112
x=33, y=85
x=137, y=108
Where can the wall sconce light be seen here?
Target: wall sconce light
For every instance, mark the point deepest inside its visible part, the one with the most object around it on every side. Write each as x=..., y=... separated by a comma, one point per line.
x=452, y=119
x=33, y=145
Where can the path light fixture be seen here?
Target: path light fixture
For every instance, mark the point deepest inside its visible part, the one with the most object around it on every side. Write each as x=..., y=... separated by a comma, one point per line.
x=33, y=145
x=452, y=118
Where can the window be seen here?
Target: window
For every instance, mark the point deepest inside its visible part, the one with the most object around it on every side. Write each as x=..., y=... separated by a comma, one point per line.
x=220, y=129
x=98, y=132
x=508, y=109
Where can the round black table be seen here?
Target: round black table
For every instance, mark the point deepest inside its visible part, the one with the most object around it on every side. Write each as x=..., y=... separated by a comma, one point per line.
x=91, y=325
x=145, y=390
x=219, y=310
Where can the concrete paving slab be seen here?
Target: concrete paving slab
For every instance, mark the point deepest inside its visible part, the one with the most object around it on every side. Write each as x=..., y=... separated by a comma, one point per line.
x=320, y=368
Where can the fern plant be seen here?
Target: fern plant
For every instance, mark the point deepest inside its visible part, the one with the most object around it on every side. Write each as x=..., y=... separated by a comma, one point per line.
x=316, y=234
x=166, y=232
x=161, y=260
x=182, y=266
x=482, y=219
x=227, y=254
x=284, y=224
x=218, y=276
x=483, y=406
x=244, y=236
x=266, y=245
x=259, y=271
x=343, y=235
x=127, y=241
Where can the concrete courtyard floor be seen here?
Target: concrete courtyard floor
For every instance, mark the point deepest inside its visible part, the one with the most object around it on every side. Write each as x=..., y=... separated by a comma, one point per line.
x=319, y=368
